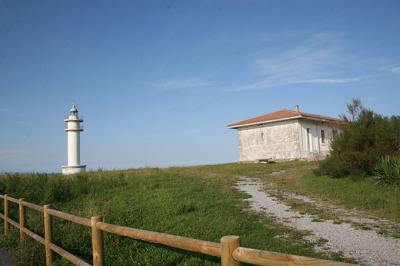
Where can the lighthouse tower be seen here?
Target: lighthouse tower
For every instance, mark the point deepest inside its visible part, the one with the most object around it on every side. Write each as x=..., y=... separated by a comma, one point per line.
x=73, y=130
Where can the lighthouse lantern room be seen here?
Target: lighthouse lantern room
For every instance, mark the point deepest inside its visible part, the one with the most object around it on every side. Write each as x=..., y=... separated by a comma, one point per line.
x=73, y=129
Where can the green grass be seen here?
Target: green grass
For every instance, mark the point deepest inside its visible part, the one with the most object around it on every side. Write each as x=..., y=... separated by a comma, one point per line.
x=362, y=193
x=351, y=192
x=197, y=202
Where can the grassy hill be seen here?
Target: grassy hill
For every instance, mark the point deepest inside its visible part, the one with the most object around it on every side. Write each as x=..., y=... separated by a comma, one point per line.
x=197, y=202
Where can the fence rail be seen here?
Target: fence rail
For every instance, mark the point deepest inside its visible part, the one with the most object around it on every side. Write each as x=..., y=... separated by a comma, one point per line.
x=229, y=249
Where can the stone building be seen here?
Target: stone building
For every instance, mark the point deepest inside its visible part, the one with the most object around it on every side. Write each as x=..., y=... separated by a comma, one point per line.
x=285, y=135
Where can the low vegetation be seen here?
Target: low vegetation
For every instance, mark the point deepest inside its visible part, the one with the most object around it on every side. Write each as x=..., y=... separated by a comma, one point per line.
x=353, y=192
x=388, y=170
x=198, y=202
x=173, y=200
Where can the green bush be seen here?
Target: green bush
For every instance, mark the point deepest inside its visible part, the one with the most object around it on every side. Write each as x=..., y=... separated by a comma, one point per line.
x=388, y=170
x=331, y=166
x=361, y=143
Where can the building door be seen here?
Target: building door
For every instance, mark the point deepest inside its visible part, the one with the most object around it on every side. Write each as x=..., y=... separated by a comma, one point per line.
x=309, y=140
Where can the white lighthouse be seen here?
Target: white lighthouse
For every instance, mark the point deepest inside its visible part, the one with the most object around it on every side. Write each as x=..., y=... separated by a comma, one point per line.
x=73, y=130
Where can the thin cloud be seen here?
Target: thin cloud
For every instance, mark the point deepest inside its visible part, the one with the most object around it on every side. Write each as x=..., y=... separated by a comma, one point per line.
x=318, y=59
x=395, y=70
x=181, y=84
x=334, y=80
x=390, y=68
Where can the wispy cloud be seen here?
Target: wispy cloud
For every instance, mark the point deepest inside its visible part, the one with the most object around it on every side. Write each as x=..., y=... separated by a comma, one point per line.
x=294, y=58
x=319, y=58
x=333, y=80
x=395, y=70
x=388, y=68
x=181, y=84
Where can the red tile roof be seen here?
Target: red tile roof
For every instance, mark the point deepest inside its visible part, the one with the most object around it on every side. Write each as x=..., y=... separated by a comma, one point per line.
x=284, y=114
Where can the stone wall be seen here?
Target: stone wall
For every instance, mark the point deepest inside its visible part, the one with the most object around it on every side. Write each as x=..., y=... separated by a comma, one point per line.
x=277, y=141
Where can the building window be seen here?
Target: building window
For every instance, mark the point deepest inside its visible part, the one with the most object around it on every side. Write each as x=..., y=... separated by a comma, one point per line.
x=262, y=135
x=323, y=136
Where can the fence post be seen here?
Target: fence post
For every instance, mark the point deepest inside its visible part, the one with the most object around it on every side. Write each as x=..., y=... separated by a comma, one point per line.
x=97, y=242
x=5, y=215
x=21, y=219
x=228, y=245
x=47, y=235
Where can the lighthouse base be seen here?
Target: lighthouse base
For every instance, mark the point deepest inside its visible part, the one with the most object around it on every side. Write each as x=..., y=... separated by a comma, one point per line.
x=70, y=170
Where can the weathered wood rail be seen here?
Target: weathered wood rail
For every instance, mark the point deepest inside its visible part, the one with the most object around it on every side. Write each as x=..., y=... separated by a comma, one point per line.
x=229, y=249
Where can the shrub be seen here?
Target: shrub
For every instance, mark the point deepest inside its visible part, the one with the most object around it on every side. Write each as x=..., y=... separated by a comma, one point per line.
x=361, y=144
x=388, y=170
x=331, y=166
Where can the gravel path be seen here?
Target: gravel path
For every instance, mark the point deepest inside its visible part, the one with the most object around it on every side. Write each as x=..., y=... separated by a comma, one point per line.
x=366, y=246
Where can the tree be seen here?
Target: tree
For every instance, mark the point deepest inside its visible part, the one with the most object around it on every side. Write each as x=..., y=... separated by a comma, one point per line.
x=354, y=109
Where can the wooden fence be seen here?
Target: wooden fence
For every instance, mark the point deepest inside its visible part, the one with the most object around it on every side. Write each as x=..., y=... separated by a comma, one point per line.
x=229, y=249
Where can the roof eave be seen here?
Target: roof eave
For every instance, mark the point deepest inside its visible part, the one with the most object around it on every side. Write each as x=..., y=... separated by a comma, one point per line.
x=284, y=119
x=233, y=126
x=322, y=120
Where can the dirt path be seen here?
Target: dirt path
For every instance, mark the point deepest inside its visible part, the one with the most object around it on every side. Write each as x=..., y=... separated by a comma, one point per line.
x=366, y=246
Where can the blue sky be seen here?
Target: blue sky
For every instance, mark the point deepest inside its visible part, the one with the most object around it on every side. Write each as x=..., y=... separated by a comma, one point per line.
x=158, y=81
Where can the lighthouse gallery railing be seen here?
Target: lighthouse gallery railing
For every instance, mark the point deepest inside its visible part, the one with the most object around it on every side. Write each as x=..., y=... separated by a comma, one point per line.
x=229, y=249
